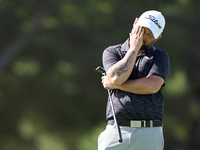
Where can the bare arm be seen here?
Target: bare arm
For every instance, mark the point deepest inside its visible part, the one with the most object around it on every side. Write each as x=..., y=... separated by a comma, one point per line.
x=145, y=85
x=120, y=71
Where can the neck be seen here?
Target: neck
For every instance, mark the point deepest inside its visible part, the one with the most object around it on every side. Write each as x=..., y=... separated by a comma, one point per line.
x=141, y=51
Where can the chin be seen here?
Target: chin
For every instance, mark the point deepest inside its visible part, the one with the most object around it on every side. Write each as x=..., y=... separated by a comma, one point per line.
x=144, y=47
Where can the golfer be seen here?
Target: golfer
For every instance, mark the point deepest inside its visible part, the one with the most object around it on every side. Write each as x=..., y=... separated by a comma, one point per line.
x=135, y=74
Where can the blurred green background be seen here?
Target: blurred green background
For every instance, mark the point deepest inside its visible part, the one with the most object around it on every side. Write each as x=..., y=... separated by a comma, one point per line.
x=51, y=98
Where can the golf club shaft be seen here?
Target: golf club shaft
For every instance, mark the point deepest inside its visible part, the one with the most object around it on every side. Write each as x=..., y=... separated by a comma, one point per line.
x=103, y=72
x=115, y=119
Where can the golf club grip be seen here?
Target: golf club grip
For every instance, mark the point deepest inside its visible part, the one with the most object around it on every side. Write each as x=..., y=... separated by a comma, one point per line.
x=115, y=118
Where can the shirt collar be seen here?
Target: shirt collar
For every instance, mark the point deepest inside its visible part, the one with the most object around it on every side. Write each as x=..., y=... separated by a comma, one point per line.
x=125, y=47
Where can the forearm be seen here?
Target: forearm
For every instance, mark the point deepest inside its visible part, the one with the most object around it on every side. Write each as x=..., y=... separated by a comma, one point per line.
x=146, y=85
x=121, y=71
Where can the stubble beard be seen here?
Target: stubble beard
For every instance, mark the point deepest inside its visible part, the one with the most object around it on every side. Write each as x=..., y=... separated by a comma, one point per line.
x=145, y=47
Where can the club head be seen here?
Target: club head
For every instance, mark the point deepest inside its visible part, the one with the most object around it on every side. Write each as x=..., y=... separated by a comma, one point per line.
x=101, y=70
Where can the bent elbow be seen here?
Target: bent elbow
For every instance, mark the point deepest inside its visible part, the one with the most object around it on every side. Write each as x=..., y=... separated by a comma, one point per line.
x=153, y=90
x=155, y=84
x=117, y=81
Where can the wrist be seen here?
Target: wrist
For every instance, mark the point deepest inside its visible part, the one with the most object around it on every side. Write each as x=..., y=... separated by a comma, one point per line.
x=134, y=49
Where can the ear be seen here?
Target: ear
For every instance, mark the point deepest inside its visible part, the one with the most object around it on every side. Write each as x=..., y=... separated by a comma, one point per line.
x=159, y=37
x=156, y=39
x=135, y=22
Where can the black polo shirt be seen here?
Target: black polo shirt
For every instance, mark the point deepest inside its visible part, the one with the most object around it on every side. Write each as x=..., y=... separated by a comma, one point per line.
x=129, y=106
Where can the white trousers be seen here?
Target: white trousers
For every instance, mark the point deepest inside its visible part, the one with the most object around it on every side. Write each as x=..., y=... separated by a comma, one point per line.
x=133, y=138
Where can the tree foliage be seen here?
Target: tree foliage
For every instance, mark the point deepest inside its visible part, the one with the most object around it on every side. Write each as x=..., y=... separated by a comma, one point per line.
x=50, y=95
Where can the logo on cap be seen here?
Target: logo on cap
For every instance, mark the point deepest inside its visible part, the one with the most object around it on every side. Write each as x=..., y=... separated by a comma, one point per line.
x=152, y=18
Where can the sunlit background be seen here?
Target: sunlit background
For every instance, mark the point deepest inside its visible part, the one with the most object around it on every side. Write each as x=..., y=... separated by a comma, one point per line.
x=51, y=98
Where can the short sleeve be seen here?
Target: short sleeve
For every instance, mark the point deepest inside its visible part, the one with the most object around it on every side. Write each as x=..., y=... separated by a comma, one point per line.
x=110, y=56
x=161, y=64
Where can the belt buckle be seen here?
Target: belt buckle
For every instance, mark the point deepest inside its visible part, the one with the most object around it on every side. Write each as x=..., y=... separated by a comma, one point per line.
x=135, y=124
x=144, y=123
x=151, y=123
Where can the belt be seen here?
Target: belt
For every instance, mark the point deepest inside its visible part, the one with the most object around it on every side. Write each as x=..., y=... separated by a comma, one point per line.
x=138, y=123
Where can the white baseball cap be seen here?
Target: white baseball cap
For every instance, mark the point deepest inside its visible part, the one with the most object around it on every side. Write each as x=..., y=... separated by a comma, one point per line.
x=153, y=20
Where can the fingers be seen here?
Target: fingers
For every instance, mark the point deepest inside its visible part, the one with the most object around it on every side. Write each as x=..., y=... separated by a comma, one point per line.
x=105, y=82
x=138, y=30
x=136, y=37
x=102, y=78
x=137, y=33
x=141, y=31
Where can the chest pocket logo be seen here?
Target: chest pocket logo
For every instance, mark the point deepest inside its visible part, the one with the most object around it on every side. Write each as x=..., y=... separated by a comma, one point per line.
x=144, y=66
x=149, y=58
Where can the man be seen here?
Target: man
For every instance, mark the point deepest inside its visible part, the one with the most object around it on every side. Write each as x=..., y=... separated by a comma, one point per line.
x=135, y=74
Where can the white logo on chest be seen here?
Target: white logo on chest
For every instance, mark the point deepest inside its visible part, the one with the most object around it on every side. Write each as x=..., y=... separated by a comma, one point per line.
x=149, y=58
